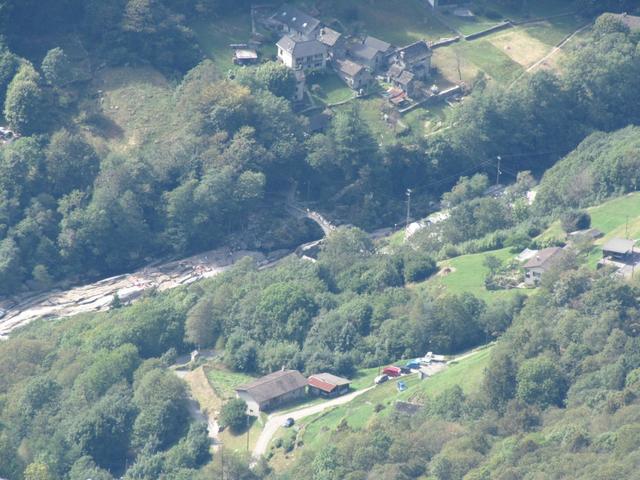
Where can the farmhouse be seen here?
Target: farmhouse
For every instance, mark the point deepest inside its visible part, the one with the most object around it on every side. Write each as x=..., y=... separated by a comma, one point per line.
x=300, y=53
x=371, y=52
x=272, y=390
x=353, y=74
x=618, y=249
x=327, y=385
x=402, y=79
x=540, y=263
x=291, y=20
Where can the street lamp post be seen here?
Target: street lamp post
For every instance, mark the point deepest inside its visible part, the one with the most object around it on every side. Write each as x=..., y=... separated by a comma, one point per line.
x=408, y=193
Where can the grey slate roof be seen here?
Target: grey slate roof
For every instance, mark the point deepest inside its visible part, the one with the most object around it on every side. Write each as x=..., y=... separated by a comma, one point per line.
x=332, y=379
x=274, y=385
x=543, y=258
x=415, y=51
x=296, y=19
x=349, y=68
x=377, y=44
x=619, y=245
x=363, y=51
x=299, y=46
x=329, y=36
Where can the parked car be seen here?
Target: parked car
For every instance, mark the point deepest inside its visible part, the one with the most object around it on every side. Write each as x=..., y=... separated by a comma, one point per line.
x=392, y=371
x=288, y=422
x=405, y=370
x=401, y=386
x=380, y=379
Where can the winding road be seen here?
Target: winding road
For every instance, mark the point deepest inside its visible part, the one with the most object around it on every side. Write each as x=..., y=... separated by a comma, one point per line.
x=275, y=420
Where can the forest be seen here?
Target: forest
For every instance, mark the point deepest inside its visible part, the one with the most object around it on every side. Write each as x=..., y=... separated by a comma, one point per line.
x=92, y=396
x=71, y=211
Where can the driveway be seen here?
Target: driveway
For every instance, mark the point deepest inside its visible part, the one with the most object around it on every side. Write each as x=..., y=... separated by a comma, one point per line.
x=275, y=420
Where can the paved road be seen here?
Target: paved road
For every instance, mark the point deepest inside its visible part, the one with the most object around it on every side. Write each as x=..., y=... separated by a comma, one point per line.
x=275, y=421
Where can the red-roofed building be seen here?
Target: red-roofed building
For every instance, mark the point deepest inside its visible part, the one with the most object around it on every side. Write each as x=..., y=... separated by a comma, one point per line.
x=327, y=385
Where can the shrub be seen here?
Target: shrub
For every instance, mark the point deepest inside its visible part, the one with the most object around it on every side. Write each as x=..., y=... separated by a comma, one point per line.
x=233, y=414
x=575, y=220
x=418, y=267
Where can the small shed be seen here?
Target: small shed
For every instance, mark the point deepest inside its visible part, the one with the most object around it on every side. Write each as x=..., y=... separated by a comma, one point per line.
x=620, y=249
x=328, y=385
x=245, y=56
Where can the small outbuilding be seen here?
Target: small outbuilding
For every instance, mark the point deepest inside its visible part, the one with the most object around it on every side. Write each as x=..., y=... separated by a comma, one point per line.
x=619, y=249
x=245, y=56
x=272, y=390
x=328, y=385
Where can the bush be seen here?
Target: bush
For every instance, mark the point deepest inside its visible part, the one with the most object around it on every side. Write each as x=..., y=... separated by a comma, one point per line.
x=575, y=220
x=233, y=414
x=418, y=267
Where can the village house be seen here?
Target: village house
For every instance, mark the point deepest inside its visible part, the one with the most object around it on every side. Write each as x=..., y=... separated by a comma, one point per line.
x=272, y=390
x=333, y=40
x=402, y=79
x=540, y=263
x=291, y=20
x=328, y=385
x=415, y=58
x=299, y=53
x=371, y=52
x=356, y=76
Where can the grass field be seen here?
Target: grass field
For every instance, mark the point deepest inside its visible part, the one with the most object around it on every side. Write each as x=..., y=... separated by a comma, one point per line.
x=215, y=36
x=223, y=381
x=131, y=99
x=619, y=217
x=328, y=88
x=470, y=25
x=317, y=430
x=468, y=275
x=488, y=58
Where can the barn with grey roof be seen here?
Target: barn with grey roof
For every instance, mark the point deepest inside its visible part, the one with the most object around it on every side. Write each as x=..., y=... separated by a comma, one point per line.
x=271, y=391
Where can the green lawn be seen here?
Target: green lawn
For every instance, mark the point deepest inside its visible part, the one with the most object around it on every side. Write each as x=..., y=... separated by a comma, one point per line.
x=214, y=36
x=468, y=275
x=223, y=382
x=238, y=441
x=399, y=23
x=533, y=10
x=493, y=61
x=619, y=217
x=553, y=31
x=470, y=25
x=327, y=88
x=358, y=413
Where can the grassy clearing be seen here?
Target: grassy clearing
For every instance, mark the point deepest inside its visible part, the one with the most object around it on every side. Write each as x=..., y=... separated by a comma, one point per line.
x=491, y=60
x=215, y=36
x=223, y=381
x=552, y=32
x=470, y=25
x=533, y=10
x=518, y=45
x=468, y=274
x=467, y=373
x=238, y=441
x=327, y=88
x=317, y=430
x=453, y=66
x=399, y=23
x=132, y=98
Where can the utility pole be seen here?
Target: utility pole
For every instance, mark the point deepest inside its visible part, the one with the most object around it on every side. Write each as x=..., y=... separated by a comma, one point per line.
x=222, y=460
x=247, y=433
x=498, y=172
x=406, y=225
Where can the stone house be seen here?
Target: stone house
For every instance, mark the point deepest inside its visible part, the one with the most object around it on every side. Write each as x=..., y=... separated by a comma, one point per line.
x=540, y=263
x=355, y=75
x=300, y=53
x=415, y=58
x=291, y=20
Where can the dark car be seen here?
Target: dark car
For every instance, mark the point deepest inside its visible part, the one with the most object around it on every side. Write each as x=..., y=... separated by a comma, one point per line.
x=288, y=422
